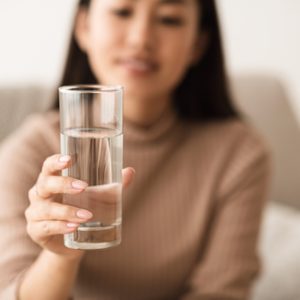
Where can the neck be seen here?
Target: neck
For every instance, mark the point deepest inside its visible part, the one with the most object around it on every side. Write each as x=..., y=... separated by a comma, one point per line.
x=144, y=112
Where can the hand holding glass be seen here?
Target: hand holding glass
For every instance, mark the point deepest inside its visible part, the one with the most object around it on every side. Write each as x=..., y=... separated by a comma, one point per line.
x=91, y=133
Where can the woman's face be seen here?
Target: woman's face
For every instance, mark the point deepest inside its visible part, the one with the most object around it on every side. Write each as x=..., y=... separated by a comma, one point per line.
x=144, y=45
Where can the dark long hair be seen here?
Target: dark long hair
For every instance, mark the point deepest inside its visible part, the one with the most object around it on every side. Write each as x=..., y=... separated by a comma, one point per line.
x=202, y=95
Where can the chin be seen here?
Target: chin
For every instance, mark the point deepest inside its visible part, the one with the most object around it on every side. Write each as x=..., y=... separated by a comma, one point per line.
x=134, y=88
x=129, y=94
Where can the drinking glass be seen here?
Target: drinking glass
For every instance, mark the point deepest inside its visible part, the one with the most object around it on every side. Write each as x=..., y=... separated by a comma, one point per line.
x=92, y=134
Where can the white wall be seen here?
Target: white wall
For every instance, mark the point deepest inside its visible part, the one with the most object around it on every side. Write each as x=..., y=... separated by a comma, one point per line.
x=264, y=36
x=33, y=35
x=260, y=36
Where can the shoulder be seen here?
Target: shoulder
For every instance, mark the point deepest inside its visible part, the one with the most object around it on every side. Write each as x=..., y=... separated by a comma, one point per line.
x=41, y=121
x=227, y=137
x=38, y=132
x=240, y=153
x=23, y=152
x=228, y=149
x=235, y=157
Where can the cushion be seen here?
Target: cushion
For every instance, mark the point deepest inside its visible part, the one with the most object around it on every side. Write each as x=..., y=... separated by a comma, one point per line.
x=264, y=102
x=280, y=251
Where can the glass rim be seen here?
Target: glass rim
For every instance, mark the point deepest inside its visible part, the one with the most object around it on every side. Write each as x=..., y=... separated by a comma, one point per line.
x=90, y=88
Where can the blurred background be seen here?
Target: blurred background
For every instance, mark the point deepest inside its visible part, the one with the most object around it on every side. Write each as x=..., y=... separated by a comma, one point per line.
x=259, y=36
x=262, y=46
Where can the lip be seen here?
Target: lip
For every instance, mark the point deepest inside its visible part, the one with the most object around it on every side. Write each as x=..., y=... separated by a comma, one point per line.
x=137, y=65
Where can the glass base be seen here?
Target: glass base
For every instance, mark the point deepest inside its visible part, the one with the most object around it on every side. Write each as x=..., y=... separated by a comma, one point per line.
x=91, y=238
x=91, y=246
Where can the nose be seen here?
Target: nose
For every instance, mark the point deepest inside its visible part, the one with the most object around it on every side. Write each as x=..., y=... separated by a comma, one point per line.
x=140, y=36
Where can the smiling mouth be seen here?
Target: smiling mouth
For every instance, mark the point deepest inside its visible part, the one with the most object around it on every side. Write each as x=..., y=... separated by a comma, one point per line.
x=139, y=66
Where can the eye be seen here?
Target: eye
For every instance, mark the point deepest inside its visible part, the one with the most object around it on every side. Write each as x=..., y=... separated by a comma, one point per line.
x=171, y=21
x=122, y=12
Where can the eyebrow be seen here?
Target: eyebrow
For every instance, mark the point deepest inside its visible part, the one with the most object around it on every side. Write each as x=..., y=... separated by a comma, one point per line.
x=172, y=1
x=169, y=1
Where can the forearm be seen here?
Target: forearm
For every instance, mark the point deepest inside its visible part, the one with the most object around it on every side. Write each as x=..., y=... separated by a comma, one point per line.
x=51, y=277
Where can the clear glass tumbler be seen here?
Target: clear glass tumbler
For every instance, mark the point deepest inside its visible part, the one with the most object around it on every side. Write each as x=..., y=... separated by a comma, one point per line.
x=91, y=129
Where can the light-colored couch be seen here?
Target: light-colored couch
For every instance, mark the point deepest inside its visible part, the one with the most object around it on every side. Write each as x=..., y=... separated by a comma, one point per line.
x=263, y=101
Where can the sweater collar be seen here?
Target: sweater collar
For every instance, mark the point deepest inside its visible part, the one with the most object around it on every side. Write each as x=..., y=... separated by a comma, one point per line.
x=161, y=128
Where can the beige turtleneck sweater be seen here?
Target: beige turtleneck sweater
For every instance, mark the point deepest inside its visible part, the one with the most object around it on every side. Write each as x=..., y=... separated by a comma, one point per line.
x=190, y=218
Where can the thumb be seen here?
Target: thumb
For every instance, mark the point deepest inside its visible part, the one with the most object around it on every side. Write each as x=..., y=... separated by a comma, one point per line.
x=127, y=176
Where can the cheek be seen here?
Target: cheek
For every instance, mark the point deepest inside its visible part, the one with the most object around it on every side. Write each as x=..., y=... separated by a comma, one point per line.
x=101, y=41
x=179, y=44
x=177, y=57
x=103, y=47
x=104, y=36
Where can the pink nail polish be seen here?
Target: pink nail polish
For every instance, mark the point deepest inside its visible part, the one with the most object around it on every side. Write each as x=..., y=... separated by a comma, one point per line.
x=72, y=225
x=79, y=185
x=84, y=214
x=64, y=158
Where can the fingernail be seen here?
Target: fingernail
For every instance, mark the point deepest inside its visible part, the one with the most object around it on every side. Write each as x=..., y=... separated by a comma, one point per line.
x=84, y=214
x=64, y=158
x=79, y=185
x=72, y=225
x=132, y=170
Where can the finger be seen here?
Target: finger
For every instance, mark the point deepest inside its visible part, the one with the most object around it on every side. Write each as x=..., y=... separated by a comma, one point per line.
x=43, y=229
x=127, y=176
x=47, y=210
x=49, y=185
x=55, y=163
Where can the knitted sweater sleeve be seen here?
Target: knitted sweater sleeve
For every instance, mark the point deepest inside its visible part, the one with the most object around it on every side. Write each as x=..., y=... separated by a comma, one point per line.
x=21, y=158
x=230, y=261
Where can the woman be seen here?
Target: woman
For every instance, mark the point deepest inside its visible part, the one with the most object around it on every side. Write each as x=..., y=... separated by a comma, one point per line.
x=191, y=215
